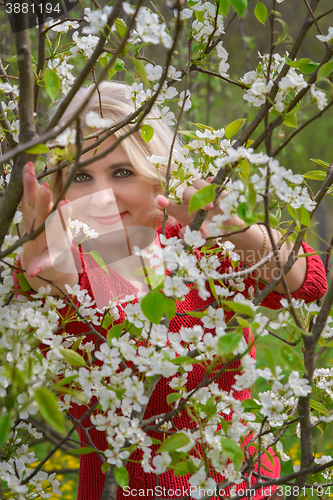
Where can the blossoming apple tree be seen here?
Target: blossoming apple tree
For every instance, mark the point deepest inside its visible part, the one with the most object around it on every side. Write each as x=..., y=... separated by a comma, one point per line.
x=243, y=158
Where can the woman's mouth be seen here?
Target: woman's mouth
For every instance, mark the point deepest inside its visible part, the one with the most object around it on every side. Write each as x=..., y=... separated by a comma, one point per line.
x=110, y=219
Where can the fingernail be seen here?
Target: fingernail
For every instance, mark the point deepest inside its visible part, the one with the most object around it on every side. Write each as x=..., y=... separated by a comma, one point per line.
x=31, y=164
x=46, y=185
x=162, y=202
x=209, y=178
x=34, y=274
x=208, y=207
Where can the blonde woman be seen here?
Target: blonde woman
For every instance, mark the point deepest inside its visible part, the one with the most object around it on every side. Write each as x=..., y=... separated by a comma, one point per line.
x=115, y=195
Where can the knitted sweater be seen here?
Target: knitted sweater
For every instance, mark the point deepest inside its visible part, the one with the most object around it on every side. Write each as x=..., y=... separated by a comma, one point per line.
x=91, y=479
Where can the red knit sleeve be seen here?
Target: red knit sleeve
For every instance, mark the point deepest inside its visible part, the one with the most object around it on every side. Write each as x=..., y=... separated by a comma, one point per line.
x=314, y=286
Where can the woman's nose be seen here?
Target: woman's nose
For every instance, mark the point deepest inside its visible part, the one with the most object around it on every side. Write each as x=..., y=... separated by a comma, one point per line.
x=102, y=198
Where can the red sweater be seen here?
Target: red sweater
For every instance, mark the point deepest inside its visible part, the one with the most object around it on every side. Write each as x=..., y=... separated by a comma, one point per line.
x=91, y=479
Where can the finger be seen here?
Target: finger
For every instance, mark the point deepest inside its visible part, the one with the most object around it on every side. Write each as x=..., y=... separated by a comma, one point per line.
x=30, y=187
x=173, y=209
x=200, y=183
x=43, y=203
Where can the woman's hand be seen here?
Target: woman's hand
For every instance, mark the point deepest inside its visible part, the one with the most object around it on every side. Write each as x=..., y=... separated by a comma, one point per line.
x=180, y=211
x=39, y=255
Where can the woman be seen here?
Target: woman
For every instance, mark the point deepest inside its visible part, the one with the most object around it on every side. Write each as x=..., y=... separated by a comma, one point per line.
x=115, y=195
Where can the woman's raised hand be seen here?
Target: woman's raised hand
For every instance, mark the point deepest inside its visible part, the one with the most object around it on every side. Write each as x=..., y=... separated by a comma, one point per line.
x=39, y=254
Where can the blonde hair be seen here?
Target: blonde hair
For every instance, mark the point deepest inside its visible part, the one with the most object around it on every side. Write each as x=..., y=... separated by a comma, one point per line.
x=117, y=105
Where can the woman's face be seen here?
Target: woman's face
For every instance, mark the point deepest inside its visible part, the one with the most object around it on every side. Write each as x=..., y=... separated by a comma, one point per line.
x=110, y=194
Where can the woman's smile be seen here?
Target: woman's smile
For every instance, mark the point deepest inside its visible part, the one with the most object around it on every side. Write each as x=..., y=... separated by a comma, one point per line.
x=110, y=219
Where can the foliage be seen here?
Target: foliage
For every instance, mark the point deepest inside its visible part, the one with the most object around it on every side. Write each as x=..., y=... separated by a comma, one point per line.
x=44, y=371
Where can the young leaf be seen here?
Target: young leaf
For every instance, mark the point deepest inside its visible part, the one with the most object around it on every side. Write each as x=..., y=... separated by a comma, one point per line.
x=121, y=476
x=171, y=398
x=315, y=405
x=325, y=70
x=228, y=343
x=72, y=357
x=120, y=65
x=240, y=308
x=100, y=261
x=317, y=175
x=270, y=359
x=105, y=467
x=224, y=7
x=52, y=83
x=5, y=426
x=233, y=451
x=114, y=332
x=121, y=27
x=174, y=442
x=260, y=11
x=320, y=162
x=290, y=119
x=202, y=198
x=147, y=132
x=234, y=126
x=39, y=149
x=169, y=308
x=152, y=306
x=48, y=408
x=24, y=285
x=239, y=6
x=305, y=65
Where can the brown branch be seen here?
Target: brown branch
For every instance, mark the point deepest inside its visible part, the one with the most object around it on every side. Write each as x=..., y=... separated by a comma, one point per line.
x=194, y=67
x=328, y=257
x=41, y=54
x=13, y=193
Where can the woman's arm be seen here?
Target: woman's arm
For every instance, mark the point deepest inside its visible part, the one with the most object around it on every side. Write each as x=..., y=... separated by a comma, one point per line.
x=37, y=257
x=251, y=245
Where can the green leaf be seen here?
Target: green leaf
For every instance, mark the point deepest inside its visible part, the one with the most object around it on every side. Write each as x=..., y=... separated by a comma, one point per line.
x=224, y=7
x=234, y=126
x=202, y=198
x=152, y=306
x=182, y=359
x=85, y=450
x=52, y=83
x=250, y=195
x=320, y=162
x=243, y=168
x=72, y=357
x=105, y=467
x=317, y=175
x=174, y=442
x=290, y=119
x=260, y=11
x=169, y=308
x=315, y=405
x=305, y=65
x=228, y=343
x=306, y=221
x=121, y=476
x=141, y=69
x=5, y=426
x=65, y=381
x=239, y=307
x=171, y=398
x=273, y=220
x=239, y=6
x=325, y=70
x=245, y=213
x=48, y=408
x=120, y=65
x=100, y=261
x=147, y=132
x=11, y=59
x=181, y=469
x=291, y=358
x=114, y=332
x=24, y=285
x=234, y=452
x=250, y=404
x=39, y=149
x=121, y=27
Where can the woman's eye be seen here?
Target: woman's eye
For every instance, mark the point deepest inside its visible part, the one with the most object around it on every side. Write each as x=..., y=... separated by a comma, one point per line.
x=123, y=173
x=81, y=177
